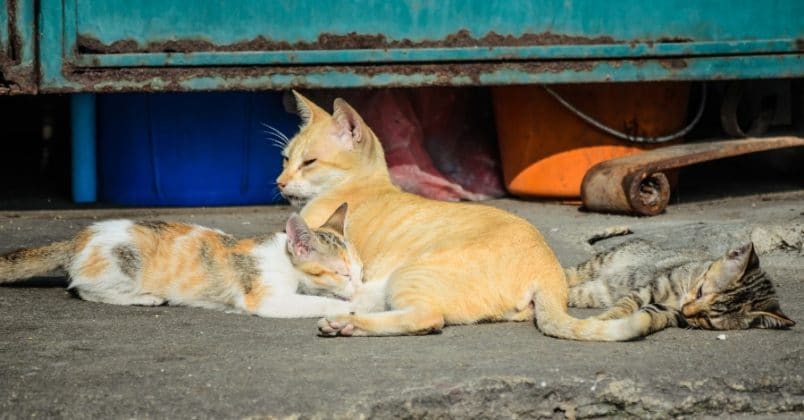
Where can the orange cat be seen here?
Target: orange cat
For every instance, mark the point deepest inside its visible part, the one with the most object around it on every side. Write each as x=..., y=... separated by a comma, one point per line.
x=125, y=262
x=429, y=263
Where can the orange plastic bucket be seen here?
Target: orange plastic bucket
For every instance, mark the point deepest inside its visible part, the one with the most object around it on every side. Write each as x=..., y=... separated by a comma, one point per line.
x=546, y=149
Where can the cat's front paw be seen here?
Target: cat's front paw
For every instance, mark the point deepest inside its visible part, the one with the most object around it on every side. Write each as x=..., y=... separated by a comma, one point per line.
x=331, y=328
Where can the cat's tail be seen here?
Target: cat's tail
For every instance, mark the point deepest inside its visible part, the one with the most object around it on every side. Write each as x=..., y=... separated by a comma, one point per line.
x=645, y=321
x=609, y=232
x=553, y=320
x=29, y=262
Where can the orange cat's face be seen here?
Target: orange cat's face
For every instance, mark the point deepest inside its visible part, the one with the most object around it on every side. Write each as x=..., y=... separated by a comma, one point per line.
x=326, y=151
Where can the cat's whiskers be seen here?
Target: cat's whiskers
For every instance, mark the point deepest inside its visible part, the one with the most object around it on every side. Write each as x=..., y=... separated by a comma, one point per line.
x=275, y=141
x=277, y=194
x=278, y=138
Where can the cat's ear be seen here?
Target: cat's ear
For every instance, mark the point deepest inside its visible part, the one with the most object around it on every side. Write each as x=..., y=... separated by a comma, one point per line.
x=349, y=123
x=753, y=261
x=337, y=221
x=307, y=109
x=740, y=258
x=301, y=240
x=775, y=319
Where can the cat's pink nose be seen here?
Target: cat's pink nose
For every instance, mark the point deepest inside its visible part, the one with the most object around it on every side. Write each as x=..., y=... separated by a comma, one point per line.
x=281, y=185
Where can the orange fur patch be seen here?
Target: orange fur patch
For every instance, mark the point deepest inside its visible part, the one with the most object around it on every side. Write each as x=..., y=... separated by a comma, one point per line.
x=254, y=298
x=95, y=264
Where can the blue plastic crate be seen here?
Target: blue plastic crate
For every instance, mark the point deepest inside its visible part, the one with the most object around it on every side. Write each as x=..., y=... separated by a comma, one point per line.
x=190, y=149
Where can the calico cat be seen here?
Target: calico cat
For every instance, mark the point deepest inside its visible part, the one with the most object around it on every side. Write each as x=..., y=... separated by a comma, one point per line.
x=125, y=262
x=731, y=292
x=429, y=263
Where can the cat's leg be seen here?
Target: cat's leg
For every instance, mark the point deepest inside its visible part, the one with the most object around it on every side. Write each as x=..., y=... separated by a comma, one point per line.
x=412, y=320
x=146, y=300
x=299, y=306
x=623, y=307
x=655, y=317
x=576, y=276
x=410, y=311
x=592, y=294
x=627, y=304
x=114, y=298
x=586, y=270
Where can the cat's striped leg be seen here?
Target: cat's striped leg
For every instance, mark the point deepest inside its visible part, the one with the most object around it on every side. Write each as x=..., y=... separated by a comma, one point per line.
x=586, y=270
x=655, y=317
x=408, y=321
x=626, y=305
x=592, y=294
x=574, y=277
x=581, y=273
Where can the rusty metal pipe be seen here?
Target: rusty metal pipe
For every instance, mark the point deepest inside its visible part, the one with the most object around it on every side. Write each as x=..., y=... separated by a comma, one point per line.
x=637, y=184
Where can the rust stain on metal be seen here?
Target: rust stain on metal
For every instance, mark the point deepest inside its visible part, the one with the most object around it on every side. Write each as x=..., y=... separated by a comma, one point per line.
x=637, y=184
x=14, y=37
x=673, y=63
x=668, y=40
x=15, y=78
x=87, y=44
x=174, y=78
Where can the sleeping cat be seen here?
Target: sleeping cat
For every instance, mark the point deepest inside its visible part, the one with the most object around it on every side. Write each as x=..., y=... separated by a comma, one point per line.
x=124, y=262
x=731, y=292
x=429, y=263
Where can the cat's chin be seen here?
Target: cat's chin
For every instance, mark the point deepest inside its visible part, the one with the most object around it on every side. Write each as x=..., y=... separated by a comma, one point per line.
x=296, y=201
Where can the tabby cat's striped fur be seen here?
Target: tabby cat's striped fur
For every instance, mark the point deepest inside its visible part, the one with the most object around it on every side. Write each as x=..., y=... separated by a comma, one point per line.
x=731, y=292
x=126, y=262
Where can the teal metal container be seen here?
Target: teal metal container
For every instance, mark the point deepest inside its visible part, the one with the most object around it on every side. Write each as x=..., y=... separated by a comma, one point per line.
x=111, y=45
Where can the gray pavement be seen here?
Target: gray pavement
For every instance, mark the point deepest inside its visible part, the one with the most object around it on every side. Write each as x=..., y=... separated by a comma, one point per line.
x=63, y=357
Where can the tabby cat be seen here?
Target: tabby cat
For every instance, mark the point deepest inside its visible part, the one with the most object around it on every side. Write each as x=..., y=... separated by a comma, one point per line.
x=124, y=262
x=429, y=263
x=731, y=292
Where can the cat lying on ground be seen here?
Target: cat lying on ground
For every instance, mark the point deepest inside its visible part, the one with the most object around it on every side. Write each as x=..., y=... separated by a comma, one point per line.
x=430, y=263
x=730, y=292
x=125, y=262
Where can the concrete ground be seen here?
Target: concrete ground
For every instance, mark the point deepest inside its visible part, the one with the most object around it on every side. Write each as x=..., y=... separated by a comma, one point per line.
x=63, y=357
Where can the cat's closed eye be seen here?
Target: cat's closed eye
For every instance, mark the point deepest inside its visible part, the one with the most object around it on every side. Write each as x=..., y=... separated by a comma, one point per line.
x=700, y=292
x=308, y=162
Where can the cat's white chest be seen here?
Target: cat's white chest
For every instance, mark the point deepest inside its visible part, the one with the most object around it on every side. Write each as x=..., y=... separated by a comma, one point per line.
x=371, y=296
x=276, y=270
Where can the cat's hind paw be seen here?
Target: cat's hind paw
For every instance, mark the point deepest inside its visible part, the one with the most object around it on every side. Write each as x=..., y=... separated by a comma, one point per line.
x=332, y=328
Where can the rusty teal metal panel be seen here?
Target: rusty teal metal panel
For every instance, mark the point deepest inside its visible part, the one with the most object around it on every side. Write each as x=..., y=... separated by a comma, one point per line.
x=240, y=44
x=421, y=21
x=420, y=55
x=168, y=32
x=4, y=26
x=17, y=40
x=54, y=71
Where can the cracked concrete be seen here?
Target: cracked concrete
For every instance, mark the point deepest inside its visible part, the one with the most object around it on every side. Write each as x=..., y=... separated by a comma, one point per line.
x=63, y=357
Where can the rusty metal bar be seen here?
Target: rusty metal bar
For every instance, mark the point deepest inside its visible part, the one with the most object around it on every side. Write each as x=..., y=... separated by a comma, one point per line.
x=637, y=184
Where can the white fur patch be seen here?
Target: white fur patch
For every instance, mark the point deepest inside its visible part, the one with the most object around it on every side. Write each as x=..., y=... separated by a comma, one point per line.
x=371, y=296
x=275, y=266
x=112, y=285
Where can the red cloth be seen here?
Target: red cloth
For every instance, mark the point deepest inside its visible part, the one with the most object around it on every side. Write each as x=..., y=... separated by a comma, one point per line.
x=439, y=142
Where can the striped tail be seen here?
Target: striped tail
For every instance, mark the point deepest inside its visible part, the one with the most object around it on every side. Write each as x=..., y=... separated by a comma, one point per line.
x=553, y=320
x=29, y=262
